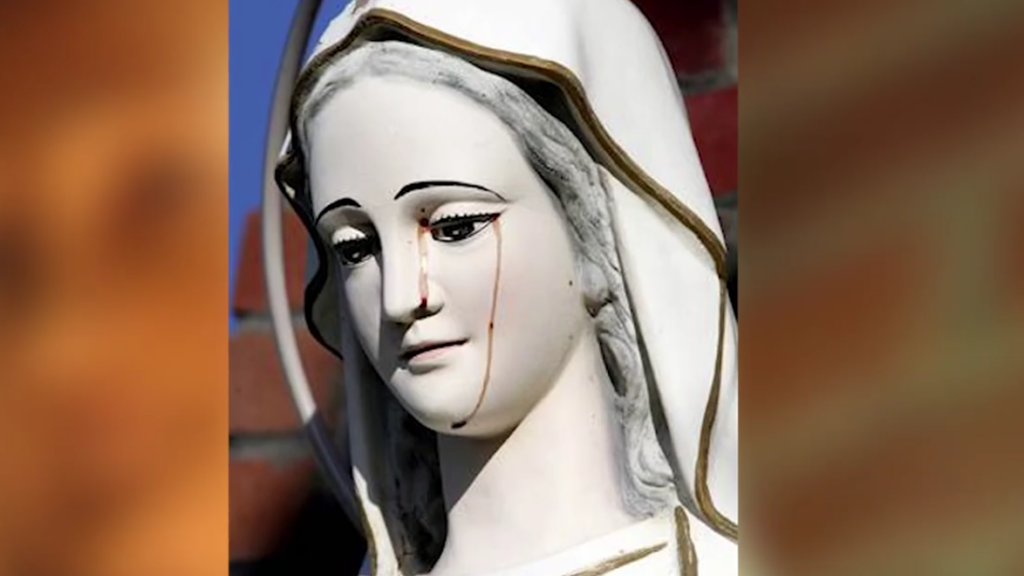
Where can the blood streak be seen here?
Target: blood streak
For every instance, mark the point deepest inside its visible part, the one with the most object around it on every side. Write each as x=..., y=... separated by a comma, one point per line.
x=421, y=241
x=490, y=326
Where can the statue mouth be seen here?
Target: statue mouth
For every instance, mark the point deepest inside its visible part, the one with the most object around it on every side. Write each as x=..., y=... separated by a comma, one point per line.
x=428, y=350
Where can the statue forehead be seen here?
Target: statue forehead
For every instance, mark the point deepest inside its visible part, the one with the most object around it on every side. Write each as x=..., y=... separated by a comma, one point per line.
x=399, y=107
x=384, y=132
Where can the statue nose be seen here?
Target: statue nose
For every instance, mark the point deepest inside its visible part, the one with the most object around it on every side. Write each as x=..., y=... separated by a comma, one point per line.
x=407, y=291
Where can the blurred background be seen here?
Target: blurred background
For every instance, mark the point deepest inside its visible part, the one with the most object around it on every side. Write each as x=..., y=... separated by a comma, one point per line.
x=883, y=291
x=283, y=521
x=113, y=250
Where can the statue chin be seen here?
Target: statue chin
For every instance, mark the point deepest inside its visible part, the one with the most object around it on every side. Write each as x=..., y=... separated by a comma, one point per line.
x=445, y=412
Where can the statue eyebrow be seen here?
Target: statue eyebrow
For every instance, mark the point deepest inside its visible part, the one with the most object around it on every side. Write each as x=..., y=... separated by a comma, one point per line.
x=411, y=187
x=414, y=186
x=340, y=203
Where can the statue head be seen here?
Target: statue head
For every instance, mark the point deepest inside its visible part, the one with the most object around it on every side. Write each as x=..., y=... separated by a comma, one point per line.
x=477, y=212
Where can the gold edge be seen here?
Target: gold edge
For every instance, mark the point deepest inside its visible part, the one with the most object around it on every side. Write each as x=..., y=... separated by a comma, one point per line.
x=618, y=561
x=718, y=521
x=686, y=555
x=619, y=160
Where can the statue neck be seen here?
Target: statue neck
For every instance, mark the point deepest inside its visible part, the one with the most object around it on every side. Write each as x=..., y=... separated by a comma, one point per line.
x=552, y=483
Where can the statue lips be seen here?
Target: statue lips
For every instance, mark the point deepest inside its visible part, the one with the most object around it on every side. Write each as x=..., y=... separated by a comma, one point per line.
x=427, y=354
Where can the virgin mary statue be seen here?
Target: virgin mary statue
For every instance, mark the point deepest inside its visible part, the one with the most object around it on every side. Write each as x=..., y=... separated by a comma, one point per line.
x=520, y=264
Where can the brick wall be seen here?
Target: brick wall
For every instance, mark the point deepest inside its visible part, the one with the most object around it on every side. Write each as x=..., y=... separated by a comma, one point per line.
x=281, y=520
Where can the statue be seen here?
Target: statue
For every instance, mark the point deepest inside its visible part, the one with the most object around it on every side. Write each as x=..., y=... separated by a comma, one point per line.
x=520, y=263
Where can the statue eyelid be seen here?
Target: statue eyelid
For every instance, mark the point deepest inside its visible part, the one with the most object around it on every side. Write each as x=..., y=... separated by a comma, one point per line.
x=474, y=216
x=483, y=219
x=347, y=234
x=352, y=262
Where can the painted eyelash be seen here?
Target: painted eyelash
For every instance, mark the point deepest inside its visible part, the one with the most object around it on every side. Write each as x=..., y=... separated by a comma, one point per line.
x=458, y=217
x=350, y=241
x=340, y=239
x=366, y=244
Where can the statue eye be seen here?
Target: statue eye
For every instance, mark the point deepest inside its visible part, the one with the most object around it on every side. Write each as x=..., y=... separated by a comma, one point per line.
x=459, y=228
x=356, y=250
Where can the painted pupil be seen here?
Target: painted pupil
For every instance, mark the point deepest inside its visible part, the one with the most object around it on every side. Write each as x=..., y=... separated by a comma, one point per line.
x=353, y=251
x=457, y=229
x=453, y=230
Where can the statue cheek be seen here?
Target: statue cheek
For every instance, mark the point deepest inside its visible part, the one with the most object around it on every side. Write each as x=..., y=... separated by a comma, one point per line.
x=364, y=317
x=490, y=324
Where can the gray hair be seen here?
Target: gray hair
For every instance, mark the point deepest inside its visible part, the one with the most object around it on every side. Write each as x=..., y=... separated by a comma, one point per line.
x=585, y=198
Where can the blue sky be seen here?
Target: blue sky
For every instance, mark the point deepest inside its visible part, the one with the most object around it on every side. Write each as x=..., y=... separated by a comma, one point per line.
x=258, y=31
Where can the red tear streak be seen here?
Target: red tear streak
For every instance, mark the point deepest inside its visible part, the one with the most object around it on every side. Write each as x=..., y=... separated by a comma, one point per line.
x=422, y=245
x=490, y=327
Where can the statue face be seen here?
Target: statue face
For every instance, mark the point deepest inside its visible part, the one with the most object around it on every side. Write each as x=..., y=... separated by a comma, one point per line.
x=441, y=227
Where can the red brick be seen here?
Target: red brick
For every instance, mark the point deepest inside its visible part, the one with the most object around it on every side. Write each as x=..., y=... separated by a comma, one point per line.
x=264, y=500
x=713, y=119
x=260, y=401
x=250, y=290
x=692, y=32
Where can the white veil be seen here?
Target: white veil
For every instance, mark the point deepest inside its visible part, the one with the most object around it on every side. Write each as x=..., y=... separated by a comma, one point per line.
x=603, y=62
